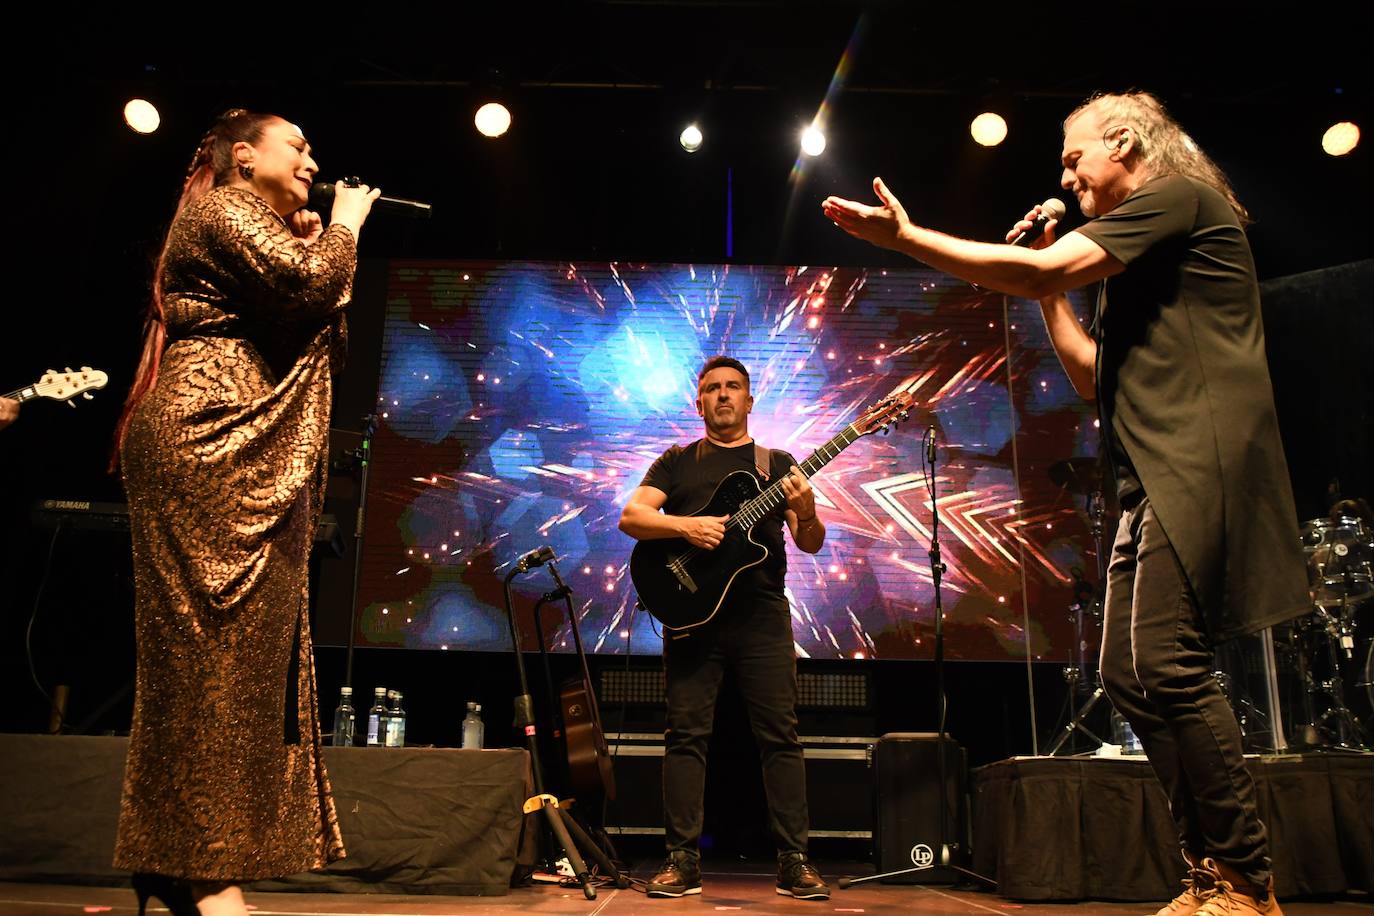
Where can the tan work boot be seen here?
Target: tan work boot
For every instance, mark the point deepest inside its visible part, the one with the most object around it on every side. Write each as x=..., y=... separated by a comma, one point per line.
x=1198, y=886
x=1236, y=896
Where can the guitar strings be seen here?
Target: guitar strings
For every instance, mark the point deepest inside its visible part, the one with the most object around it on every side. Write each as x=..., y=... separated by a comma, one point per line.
x=753, y=511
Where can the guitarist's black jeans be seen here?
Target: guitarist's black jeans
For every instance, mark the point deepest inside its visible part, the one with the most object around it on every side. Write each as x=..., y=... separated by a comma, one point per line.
x=755, y=641
x=1157, y=664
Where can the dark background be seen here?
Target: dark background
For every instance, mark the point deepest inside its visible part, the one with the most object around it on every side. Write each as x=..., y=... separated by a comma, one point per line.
x=592, y=169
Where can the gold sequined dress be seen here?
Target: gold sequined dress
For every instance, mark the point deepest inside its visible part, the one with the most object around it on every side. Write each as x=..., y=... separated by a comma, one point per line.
x=224, y=464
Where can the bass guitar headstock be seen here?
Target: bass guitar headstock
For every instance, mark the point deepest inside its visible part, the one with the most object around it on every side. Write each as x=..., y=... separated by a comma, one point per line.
x=63, y=386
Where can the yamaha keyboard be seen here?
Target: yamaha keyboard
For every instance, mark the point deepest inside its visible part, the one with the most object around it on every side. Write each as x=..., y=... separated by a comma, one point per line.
x=80, y=514
x=88, y=515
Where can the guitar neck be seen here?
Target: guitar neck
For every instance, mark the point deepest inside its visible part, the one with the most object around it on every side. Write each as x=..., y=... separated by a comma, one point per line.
x=749, y=514
x=20, y=394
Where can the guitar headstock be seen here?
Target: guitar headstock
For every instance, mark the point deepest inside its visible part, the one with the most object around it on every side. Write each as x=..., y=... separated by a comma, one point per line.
x=891, y=410
x=63, y=386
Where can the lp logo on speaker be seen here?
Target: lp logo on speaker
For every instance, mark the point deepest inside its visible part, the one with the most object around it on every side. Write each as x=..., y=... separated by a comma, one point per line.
x=921, y=856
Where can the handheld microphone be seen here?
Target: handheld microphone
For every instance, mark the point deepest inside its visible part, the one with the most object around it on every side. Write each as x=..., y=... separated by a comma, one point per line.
x=930, y=446
x=322, y=198
x=536, y=557
x=1050, y=209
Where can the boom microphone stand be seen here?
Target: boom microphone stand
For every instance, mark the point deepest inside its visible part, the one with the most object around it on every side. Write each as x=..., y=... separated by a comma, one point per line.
x=943, y=856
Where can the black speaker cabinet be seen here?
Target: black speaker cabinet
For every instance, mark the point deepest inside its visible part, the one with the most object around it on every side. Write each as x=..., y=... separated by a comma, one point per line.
x=906, y=822
x=838, y=785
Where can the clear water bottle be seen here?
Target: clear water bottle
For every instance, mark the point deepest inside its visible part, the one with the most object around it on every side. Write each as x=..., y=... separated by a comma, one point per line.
x=1124, y=736
x=472, y=727
x=376, y=718
x=344, y=720
x=395, y=721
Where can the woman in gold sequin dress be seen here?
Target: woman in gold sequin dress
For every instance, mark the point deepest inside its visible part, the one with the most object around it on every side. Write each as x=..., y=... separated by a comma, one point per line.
x=223, y=448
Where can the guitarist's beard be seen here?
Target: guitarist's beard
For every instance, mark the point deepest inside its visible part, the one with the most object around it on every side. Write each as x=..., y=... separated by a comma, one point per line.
x=733, y=431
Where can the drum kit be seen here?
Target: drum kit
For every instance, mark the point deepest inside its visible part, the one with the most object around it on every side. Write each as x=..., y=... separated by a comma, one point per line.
x=1320, y=666
x=1331, y=650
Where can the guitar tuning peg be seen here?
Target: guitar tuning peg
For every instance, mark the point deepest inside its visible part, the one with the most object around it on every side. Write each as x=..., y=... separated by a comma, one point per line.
x=88, y=396
x=71, y=404
x=69, y=368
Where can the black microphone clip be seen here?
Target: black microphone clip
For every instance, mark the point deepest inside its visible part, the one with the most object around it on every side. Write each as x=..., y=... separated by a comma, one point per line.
x=536, y=557
x=555, y=594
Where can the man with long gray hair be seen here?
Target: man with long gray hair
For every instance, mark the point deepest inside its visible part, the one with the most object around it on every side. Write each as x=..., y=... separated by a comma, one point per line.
x=1207, y=547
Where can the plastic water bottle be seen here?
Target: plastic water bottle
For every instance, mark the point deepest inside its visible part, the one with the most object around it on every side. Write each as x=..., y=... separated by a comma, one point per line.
x=395, y=721
x=344, y=721
x=472, y=727
x=1123, y=735
x=376, y=718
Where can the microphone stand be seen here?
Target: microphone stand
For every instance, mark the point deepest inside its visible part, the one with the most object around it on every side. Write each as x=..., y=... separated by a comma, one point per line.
x=551, y=697
x=363, y=455
x=943, y=857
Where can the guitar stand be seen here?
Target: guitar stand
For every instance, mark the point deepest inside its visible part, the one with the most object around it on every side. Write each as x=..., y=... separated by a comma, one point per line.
x=589, y=825
x=559, y=819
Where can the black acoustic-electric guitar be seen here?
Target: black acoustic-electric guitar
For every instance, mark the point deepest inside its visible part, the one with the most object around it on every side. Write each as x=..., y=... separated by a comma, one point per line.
x=682, y=585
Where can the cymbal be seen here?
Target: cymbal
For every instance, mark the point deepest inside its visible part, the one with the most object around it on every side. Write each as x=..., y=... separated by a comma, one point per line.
x=1081, y=475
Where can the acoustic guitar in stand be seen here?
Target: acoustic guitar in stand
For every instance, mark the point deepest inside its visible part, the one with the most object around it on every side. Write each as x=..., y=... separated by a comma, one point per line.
x=684, y=586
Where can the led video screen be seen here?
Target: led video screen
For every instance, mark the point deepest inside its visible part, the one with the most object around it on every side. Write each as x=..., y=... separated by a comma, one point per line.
x=520, y=403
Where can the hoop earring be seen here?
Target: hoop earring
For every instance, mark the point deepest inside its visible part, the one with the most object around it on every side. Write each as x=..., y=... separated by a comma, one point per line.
x=247, y=172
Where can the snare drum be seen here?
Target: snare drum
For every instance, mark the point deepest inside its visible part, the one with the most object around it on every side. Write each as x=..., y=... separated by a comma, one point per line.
x=1340, y=560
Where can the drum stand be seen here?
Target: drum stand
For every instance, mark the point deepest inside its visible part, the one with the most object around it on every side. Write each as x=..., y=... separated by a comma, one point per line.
x=1343, y=727
x=1251, y=719
x=1080, y=674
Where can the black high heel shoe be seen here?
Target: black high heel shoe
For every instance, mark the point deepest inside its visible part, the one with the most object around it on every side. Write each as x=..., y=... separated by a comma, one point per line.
x=176, y=895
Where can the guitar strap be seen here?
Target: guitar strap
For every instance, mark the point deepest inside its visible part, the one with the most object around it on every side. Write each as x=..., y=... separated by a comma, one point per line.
x=763, y=461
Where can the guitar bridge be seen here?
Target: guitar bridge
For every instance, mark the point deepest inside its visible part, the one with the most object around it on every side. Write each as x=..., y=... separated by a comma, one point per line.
x=684, y=577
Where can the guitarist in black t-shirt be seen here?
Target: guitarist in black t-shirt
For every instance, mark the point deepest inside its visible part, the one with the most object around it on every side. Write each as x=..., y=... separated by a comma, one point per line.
x=751, y=633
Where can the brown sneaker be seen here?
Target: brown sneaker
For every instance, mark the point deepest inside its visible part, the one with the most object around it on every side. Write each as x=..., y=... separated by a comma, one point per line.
x=679, y=877
x=1198, y=886
x=797, y=877
x=1234, y=896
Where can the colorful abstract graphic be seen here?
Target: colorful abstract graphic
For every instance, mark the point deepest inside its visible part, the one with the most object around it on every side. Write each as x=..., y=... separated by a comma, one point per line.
x=521, y=403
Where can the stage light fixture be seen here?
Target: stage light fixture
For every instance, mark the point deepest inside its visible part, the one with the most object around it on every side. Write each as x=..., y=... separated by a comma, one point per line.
x=988, y=129
x=813, y=141
x=1341, y=138
x=690, y=138
x=492, y=119
x=141, y=116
